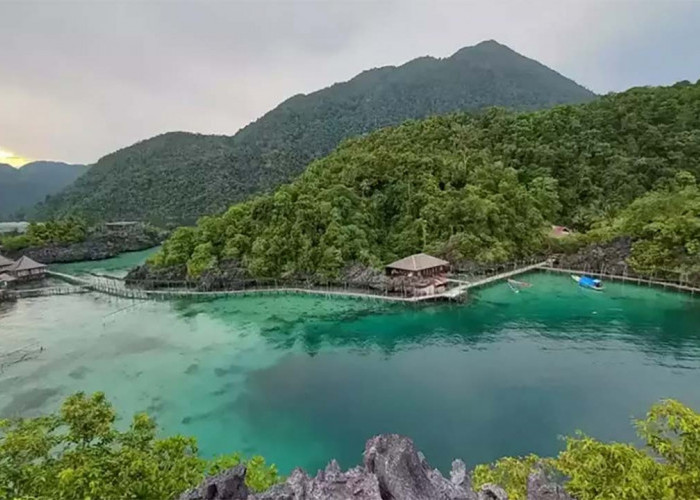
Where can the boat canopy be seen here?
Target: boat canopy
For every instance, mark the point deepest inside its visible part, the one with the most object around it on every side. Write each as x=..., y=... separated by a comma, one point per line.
x=588, y=281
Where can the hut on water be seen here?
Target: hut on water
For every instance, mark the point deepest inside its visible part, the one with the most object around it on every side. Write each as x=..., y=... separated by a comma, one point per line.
x=25, y=269
x=420, y=274
x=6, y=280
x=5, y=263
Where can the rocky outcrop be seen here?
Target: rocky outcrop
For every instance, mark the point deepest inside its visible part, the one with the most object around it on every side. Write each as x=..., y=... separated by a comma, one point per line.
x=361, y=276
x=100, y=243
x=392, y=469
x=610, y=257
x=150, y=277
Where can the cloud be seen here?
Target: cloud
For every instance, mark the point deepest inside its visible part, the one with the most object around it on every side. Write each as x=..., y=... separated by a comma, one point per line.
x=81, y=79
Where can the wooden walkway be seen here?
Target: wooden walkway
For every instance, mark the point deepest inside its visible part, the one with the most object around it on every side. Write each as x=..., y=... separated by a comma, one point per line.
x=118, y=289
x=48, y=291
x=465, y=286
x=628, y=279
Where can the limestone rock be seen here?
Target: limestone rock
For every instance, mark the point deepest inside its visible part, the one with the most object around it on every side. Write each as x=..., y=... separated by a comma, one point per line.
x=229, y=485
x=392, y=469
x=403, y=473
x=540, y=488
x=492, y=492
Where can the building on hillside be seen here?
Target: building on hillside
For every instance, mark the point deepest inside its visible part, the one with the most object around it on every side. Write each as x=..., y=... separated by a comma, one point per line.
x=560, y=231
x=5, y=263
x=420, y=274
x=25, y=269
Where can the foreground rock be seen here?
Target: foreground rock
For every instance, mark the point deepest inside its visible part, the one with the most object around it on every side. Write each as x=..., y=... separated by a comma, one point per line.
x=100, y=243
x=392, y=469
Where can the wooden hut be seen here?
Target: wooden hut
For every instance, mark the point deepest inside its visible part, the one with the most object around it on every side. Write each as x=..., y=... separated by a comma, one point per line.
x=421, y=274
x=5, y=263
x=6, y=280
x=25, y=269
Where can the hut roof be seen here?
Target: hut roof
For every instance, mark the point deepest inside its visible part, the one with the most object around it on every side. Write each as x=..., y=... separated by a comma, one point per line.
x=4, y=261
x=418, y=262
x=24, y=263
x=7, y=278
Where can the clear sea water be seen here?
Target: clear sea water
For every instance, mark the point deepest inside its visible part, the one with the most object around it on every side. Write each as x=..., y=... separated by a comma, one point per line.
x=303, y=379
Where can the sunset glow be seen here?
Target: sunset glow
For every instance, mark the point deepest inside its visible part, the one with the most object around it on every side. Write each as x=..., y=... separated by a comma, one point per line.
x=11, y=158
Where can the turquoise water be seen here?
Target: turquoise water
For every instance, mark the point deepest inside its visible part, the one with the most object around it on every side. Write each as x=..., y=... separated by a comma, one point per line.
x=117, y=266
x=303, y=379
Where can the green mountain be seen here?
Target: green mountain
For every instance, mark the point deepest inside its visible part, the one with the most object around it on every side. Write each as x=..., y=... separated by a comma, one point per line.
x=21, y=188
x=180, y=176
x=471, y=186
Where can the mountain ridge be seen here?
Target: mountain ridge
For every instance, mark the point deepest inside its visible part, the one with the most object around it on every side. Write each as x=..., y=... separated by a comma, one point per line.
x=21, y=188
x=179, y=176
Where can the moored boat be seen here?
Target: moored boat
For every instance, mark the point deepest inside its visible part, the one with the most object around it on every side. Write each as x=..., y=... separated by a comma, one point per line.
x=588, y=282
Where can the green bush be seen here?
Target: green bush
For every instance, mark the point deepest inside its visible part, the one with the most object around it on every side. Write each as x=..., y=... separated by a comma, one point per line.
x=668, y=470
x=60, y=231
x=77, y=454
x=510, y=473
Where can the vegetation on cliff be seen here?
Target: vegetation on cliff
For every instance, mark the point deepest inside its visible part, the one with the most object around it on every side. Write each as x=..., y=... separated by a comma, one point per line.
x=53, y=232
x=481, y=187
x=78, y=454
x=664, y=225
x=178, y=176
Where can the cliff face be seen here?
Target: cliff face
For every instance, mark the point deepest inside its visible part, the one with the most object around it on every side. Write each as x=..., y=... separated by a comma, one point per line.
x=392, y=469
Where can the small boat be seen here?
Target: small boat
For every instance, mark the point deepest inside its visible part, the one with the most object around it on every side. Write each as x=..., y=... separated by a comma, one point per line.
x=588, y=282
x=516, y=285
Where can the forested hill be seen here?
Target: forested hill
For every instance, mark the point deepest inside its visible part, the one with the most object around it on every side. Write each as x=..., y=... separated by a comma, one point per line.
x=179, y=176
x=21, y=188
x=474, y=186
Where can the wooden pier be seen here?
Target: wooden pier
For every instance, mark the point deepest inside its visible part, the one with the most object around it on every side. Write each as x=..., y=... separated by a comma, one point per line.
x=637, y=280
x=117, y=288
x=468, y=285
x=48, y=291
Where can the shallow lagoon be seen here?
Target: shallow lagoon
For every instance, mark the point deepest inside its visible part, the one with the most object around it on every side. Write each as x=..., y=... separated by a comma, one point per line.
x=303, y=379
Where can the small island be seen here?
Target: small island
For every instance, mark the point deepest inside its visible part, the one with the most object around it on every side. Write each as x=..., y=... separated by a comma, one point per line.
x=74, y=239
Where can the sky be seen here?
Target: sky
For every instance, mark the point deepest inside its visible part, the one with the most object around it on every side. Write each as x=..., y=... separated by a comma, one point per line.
x=80, y=79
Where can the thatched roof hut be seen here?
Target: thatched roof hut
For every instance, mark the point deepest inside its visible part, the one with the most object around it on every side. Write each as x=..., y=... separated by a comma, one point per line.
x=24, y=267
x=420, y=264
x=5, y=262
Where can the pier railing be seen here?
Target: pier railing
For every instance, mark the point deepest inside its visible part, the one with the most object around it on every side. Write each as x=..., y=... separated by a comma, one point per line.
x=663, y=278
x=165, y=289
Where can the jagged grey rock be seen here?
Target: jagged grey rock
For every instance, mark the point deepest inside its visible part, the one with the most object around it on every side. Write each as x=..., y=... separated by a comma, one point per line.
x=403, y=473
x=540, y=488
x=492, y=492
x=229, y=485
x=392, y=469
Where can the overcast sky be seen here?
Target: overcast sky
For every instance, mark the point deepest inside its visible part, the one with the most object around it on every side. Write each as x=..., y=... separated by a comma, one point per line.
x=80, y=79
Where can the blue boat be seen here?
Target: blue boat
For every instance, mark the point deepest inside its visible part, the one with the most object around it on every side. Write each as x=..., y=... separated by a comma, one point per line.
x=588, y=282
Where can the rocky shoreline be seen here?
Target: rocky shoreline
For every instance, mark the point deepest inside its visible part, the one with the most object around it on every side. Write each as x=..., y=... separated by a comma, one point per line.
x=392, y=469
x=99, y=244
x=610, y=257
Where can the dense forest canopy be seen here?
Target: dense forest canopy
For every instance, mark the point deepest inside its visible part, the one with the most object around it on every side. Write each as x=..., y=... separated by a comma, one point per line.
x=177, y=177
x=465, y=186
x=21, y=188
